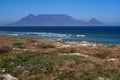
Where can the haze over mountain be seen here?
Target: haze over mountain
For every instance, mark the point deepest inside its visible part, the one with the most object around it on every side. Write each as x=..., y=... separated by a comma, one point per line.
x=54, y=20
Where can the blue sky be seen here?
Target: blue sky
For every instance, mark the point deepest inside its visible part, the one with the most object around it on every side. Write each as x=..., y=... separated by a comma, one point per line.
x=105, y=10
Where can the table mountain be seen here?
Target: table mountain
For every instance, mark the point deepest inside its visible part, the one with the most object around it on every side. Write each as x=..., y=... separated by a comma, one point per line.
x=53, y=20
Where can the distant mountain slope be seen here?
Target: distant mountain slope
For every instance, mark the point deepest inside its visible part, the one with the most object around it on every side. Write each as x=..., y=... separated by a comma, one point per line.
x=53, y=20
x=94, y=21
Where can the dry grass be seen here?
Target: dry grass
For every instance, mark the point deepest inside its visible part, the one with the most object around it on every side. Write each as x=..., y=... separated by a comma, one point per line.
x=41, y=59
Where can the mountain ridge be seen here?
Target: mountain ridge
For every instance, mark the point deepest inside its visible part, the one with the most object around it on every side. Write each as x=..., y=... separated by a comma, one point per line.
x=54, y=20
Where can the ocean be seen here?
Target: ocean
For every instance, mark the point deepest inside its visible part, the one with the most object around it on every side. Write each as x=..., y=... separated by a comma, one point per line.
x=104, y=34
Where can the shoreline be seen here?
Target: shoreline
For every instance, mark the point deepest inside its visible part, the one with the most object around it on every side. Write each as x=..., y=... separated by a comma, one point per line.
x=69, y=41
x=111, y=35
x=18, y=43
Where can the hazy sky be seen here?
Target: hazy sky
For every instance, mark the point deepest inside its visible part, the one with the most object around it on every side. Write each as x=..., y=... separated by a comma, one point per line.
x=105, y=10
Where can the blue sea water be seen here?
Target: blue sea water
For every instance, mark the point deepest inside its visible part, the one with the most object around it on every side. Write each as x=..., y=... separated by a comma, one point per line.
x=105, y=35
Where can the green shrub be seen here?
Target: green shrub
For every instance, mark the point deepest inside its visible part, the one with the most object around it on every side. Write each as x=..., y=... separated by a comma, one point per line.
x=24, y=56
x=67, y=50
x=67, y=76
x=19, y=45
x=45, y=46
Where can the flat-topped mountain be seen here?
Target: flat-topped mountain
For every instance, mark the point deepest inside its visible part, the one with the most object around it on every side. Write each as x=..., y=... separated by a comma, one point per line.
x=53, y=20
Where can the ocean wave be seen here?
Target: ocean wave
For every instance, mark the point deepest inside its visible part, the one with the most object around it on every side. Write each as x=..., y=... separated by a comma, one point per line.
x=37, y=34
x=80, y=35
x=55, y=35
x=13, y=34
x=34, y=33
x=105, y=38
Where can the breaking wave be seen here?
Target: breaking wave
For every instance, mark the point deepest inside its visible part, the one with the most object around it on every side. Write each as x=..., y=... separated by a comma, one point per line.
x=69, y=34
x=38, y=34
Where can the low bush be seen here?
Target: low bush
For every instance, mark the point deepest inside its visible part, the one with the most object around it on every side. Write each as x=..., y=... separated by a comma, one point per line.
x=5, y=49
x=45, y=46
x=70, y=75
x=19, y=45
x=102, y=54
x=67, y=50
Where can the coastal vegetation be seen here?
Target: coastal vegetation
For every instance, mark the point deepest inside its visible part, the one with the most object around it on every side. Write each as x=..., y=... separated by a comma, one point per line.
x=48, y=59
